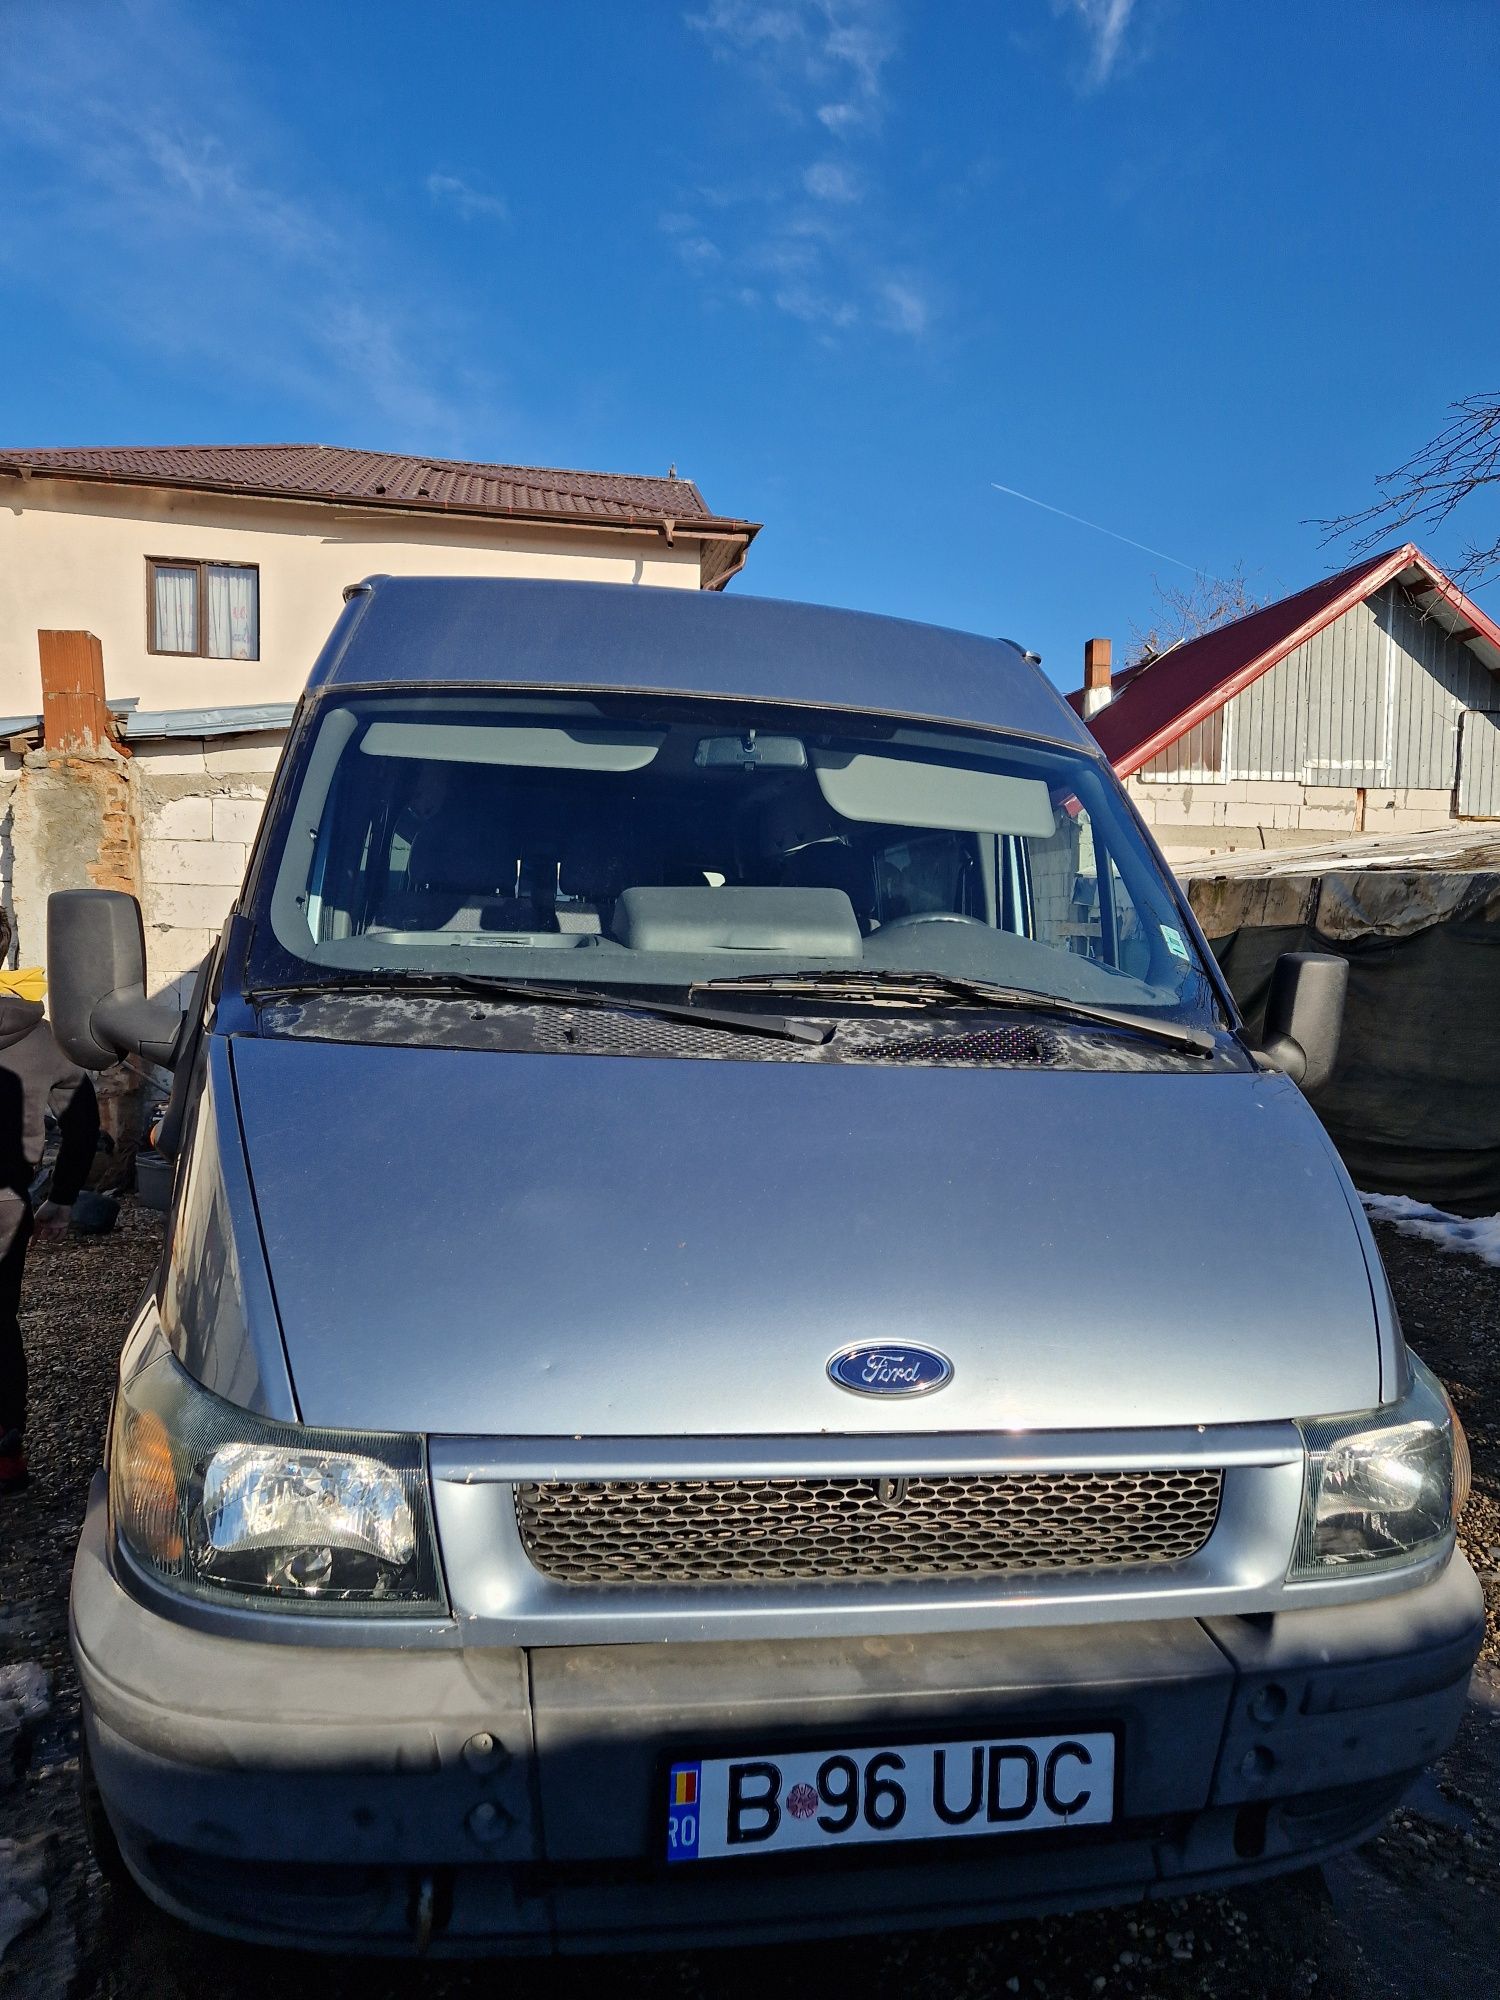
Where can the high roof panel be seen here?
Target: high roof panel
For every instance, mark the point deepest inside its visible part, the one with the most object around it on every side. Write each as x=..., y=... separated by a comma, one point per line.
x=515, y=632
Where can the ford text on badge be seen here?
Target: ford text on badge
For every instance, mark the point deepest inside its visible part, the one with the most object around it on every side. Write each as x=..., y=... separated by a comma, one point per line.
x=882, y=1368
x=729, y=1806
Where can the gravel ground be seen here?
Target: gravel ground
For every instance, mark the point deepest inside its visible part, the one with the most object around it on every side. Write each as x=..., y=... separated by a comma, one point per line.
x=1416, y=1910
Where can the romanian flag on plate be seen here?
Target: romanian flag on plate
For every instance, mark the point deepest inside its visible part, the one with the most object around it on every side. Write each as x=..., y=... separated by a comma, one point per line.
x=684, y=1788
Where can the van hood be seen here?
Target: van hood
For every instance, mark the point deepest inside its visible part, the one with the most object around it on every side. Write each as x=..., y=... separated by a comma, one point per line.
x=480, y=1243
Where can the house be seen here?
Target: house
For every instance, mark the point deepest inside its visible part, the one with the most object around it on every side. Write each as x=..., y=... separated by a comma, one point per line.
x=1367, y=703
x=208, y=577
x=211, y=574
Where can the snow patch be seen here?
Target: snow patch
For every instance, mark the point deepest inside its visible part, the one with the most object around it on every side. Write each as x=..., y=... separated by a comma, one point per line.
x=24, y=1693
x=23, y=1895
x=1477, y=1236
x=25, y=1697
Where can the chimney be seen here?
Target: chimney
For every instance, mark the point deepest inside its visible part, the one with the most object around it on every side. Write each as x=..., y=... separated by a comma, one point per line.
x=1097, y=688
x=75, y=716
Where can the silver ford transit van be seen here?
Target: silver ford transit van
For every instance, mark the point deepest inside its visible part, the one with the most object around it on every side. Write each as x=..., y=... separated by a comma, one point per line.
x=747, y=1347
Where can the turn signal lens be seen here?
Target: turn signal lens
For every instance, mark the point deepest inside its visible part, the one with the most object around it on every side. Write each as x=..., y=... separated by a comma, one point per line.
x=1463, y=1465
x=143, y=1485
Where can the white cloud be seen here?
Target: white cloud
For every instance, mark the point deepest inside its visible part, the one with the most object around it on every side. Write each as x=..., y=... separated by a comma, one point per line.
x=143, y=176
x=783, y=257
x=904, y=308
x=469, y=202
x=835, y=50
x=816, y=308
x=857, y=38
x=749, y=24
x=1104, y=22
x=826, y=180
x=839, y=118
x=695, y=249
x=806, y=234
x=700, y=251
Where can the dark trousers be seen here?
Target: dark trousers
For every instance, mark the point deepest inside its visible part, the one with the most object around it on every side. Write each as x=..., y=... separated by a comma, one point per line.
x=15, y=1234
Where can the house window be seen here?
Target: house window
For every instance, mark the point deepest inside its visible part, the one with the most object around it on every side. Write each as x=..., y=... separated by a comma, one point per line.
x=208, y=610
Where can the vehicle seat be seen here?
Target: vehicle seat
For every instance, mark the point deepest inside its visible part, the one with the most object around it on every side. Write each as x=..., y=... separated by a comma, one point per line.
x=460, y=876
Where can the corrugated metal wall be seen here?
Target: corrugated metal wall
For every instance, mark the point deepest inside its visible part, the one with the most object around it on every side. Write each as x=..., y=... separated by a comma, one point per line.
x=1374, y=700
x=1197, y=757
x=1479, y=766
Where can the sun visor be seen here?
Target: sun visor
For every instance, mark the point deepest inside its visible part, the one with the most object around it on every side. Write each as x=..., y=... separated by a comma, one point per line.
x=908, y=791
x=537, y=749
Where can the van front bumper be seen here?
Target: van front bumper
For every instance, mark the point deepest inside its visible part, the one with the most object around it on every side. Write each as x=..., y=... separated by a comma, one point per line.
x=473, y=1800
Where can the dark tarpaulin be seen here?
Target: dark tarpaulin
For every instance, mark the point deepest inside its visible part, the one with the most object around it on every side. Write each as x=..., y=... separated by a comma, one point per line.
x=1414, y=1105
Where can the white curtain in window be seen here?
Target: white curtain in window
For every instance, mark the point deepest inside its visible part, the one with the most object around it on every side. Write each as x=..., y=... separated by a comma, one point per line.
x=233, y=613
x=176, y=610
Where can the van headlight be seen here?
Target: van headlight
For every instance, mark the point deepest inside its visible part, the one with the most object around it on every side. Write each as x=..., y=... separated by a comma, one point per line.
x=1384, y=1486
x=223, y=1504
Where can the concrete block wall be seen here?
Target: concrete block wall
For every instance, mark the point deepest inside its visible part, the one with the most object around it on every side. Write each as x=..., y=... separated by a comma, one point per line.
x=190, y=810
x=199, y=802
x=1192, y=821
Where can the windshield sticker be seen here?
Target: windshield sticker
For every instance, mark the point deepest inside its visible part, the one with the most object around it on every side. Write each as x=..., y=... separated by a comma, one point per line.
x=1176, y=942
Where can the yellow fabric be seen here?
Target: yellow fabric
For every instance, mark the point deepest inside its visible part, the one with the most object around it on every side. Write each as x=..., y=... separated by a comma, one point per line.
x=27, y=982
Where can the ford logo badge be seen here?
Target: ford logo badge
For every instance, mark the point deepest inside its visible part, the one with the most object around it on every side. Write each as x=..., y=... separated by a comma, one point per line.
x=889, y=1368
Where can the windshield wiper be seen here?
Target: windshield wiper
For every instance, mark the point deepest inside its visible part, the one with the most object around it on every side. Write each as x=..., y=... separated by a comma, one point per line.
x=440, y=985
x=885, y=986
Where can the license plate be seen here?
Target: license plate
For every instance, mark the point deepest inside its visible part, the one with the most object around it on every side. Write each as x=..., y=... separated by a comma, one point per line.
x=726, y=1806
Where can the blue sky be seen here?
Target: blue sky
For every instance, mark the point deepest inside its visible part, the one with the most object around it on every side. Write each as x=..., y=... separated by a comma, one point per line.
x=1195, y=271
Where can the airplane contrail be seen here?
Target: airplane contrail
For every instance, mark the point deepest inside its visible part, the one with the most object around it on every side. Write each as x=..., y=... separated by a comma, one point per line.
x=1161, y=554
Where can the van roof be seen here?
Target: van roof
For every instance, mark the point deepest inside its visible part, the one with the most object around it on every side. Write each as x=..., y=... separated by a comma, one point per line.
x=520, y=632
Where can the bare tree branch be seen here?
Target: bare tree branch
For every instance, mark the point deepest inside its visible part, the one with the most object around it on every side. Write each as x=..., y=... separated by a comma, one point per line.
x=1190, y=610
x=1425, y=490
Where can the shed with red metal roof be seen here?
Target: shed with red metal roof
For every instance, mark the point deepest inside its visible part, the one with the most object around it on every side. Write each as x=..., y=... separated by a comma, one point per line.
x=1367, y=702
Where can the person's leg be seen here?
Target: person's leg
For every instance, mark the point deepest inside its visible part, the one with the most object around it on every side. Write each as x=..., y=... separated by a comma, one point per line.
x=15, y=1234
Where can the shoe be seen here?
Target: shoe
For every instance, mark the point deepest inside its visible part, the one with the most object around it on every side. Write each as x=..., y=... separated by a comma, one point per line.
x=13, y=1473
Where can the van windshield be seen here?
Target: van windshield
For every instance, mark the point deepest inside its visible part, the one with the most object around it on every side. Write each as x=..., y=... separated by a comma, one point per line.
x=657, y=843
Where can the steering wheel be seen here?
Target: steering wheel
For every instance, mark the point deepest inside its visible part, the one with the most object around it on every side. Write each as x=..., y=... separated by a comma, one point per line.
x=931, y=917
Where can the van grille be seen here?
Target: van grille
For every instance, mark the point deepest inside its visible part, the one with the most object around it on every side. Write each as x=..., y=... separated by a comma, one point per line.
x=800, y=1530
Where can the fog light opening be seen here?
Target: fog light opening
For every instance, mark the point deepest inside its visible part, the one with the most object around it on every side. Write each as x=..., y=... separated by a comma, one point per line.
x=1250, y=1832
x=421, y=1910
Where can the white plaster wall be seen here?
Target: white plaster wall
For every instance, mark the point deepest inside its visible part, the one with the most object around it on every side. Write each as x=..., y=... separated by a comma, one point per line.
x=73, y=557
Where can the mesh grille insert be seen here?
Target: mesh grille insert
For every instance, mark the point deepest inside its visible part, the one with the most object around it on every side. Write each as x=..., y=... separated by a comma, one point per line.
x=978, y=1045
x=798, y=1530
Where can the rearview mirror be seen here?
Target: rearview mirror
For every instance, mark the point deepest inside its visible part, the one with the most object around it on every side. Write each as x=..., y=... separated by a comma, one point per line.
x=96, y=981
x=1305, y=1016
x=751, y=752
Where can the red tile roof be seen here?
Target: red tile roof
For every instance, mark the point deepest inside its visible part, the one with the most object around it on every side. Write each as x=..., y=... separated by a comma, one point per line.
x=384, y=479
x=1155, y=704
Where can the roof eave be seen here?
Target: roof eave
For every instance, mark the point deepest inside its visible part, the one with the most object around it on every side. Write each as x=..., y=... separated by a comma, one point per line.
x=1373, y=579
x=705, y=528
x=721, y=558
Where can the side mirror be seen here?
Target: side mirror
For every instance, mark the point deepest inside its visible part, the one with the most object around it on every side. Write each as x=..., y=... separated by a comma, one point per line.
x=96, y=980
x=1305, y=1016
